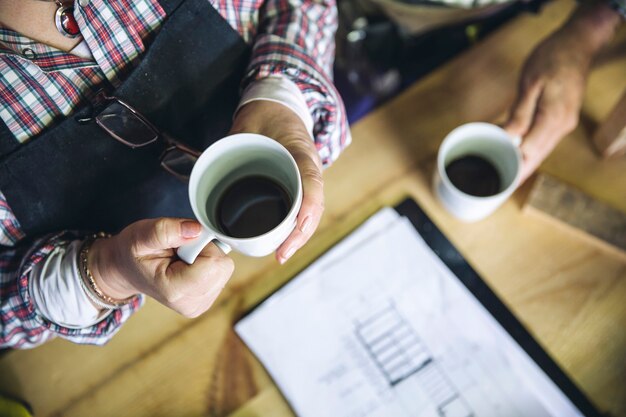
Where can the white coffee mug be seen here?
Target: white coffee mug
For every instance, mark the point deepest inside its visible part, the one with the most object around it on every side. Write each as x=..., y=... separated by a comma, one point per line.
x=490, y=142
x=219, y=166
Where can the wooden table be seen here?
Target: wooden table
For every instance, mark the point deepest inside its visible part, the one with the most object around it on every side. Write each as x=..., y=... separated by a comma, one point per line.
x=569, y=294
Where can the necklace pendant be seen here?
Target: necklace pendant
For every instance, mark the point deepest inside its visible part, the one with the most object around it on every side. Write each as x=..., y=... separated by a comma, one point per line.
x=66, y=23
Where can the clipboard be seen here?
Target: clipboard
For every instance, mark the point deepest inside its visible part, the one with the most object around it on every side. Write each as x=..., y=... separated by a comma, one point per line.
x=469, y=279
x=474, y=283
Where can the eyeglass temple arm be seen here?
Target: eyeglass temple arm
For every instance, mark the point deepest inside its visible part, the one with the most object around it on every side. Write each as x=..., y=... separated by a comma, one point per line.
x=173, y=142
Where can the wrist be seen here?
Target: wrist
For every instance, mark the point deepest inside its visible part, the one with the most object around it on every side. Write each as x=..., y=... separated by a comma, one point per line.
x=103, y=264
x=280, y=90
x=594, y=25
x=268, y=118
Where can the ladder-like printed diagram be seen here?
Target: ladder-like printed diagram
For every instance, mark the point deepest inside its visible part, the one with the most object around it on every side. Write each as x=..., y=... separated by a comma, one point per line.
x=400, y=354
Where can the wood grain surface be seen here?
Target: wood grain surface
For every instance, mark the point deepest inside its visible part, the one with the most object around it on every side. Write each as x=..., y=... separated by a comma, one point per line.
x=585, y=217
x=569, y=294
x=610, y=137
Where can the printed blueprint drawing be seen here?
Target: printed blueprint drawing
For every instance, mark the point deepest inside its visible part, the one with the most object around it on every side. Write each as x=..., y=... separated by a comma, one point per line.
x=379, y=327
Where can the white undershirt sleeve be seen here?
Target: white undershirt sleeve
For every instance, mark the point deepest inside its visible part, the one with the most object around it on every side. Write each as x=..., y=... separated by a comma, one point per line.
x=57, y=292
x=281, y=90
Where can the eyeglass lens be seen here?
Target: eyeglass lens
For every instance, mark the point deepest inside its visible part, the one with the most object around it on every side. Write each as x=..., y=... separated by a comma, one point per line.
x=178, y=162
x=126, y=125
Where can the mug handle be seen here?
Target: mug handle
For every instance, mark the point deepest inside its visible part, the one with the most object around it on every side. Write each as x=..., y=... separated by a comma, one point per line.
x=190, y=251
x=517, y=140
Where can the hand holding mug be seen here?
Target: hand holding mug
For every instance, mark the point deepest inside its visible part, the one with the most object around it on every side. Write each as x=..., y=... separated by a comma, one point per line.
x=549, y=99
x=283, y=125
x=553, y=79
x=142, y=259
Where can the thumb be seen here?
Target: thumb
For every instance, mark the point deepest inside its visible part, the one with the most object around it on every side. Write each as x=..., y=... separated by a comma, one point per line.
x=165, y=233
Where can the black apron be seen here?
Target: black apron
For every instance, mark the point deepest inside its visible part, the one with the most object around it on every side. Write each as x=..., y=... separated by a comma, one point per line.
x=75, y=176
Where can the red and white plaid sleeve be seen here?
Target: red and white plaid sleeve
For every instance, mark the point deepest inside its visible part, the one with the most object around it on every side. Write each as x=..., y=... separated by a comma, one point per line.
x=295, y=39
x=21, y=324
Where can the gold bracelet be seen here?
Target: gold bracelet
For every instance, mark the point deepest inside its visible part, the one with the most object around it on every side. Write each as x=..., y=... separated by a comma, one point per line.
x=88, y=282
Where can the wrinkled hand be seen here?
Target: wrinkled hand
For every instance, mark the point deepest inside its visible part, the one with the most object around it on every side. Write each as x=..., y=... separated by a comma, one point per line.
x=142, y=259
x=283, y=125
x=553, y=80
x=549, y=99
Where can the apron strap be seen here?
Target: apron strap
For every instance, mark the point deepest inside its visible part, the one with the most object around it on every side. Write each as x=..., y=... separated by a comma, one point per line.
x=170, y=6
x=8, y=142
x=184, y=69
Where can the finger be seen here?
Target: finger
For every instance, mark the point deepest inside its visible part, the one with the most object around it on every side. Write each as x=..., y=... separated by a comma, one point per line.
x=215, y=258
x=196, y=300
x=212, y=250
x=523, y=110
x=194, y=306
x=204, y=304
x=311, y=209
x=306, y=224
x=163, y=233
x=208, y=273
x=542, y=138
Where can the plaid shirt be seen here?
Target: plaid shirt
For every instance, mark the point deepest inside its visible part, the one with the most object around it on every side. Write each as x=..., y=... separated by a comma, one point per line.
x=40, y=85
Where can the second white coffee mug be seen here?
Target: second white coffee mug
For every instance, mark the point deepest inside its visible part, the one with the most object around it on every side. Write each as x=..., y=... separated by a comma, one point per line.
x=227, y=160
x=487, y=141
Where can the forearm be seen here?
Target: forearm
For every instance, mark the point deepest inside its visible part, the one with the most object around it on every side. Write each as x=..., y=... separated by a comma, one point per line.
x=297, y=42
x=41, y=297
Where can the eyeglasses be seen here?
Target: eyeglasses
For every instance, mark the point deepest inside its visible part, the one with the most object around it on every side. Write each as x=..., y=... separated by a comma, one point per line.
x=126, y=125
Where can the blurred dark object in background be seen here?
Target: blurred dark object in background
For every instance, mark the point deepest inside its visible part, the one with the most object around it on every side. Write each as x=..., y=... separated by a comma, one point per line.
x=384, y=46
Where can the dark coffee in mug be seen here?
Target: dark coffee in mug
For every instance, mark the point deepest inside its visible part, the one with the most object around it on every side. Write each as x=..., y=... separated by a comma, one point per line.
x=251, y=206
x=474, y=175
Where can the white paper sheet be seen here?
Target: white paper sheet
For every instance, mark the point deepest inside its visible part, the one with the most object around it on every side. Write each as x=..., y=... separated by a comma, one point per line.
x=379, y=327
